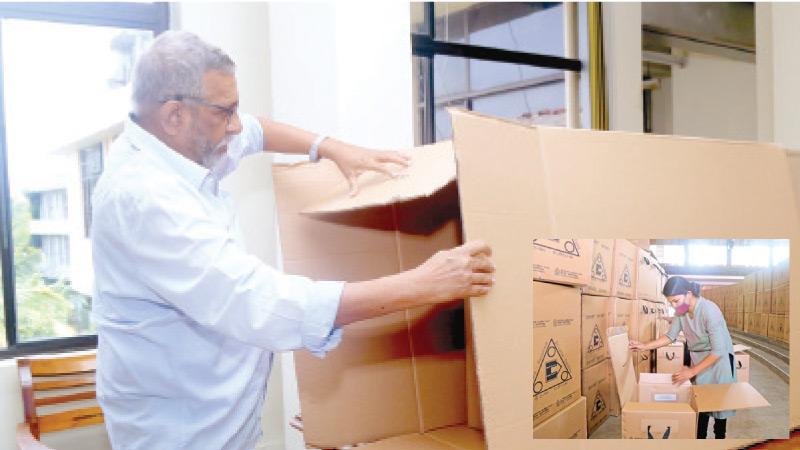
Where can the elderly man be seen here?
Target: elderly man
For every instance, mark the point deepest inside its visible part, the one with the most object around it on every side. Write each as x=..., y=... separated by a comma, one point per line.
x=187, y=320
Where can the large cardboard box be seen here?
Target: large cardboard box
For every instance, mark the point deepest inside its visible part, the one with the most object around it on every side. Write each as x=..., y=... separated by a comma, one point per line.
x=742, y=362
x=601, y=270
x=625, y=264
x=749, y=302
x=777, y=327
x=667, y=417
x=648, y=276
x=750, y=322
x=780, y=274
x=780, y=300
x=646, y=320
x=763, y=301
x=597, y=390
x=763, y=324
x=620, y=312
x=750, y=283
x=567, y=261
x=764, y=280
x=669, y=359
x=569, y=423
x=595, y=320
x=556, y=349
x=515, y=183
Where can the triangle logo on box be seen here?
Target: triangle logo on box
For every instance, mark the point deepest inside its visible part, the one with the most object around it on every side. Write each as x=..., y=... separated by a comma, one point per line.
x=598, y=268
x=596, y=341
x=599, y=405
x=568, y=246
x=625, y=278
x=553, y=369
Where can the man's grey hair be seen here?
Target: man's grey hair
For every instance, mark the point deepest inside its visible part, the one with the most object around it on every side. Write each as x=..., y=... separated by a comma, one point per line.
x=174, y=65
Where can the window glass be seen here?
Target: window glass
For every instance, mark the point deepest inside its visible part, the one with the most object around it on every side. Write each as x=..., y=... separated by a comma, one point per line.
x=67, y=90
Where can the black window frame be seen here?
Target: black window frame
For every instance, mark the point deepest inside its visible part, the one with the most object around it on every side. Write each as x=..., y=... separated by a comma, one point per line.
x=141, y=16
x=426, y=46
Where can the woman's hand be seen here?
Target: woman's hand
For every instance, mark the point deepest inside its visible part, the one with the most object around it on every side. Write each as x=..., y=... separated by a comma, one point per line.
x=683, y=375
x=637, y=346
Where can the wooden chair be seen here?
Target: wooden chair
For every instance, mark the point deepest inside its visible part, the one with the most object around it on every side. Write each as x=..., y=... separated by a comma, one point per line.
x=51, y=375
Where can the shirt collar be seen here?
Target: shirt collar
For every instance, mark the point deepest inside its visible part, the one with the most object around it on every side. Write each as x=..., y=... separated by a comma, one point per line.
x=143, y=140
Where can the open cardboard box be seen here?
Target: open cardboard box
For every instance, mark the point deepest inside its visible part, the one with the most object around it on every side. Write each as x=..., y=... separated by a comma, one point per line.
x=654, y=408
x=404, y=379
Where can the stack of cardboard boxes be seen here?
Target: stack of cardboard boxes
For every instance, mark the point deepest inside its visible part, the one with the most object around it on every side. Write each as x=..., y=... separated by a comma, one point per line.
x=759, y=304
x=561, y=267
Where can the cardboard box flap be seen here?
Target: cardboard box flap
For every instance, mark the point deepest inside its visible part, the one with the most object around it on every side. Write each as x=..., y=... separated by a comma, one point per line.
x=675, y=407
x=622, y=364
x=431, y=168
x=737, y=348
x=722, y=397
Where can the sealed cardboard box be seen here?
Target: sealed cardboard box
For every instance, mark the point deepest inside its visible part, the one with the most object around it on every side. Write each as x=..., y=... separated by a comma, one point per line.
x=764, y=280
x=597, y=390
x=742, y=362
x=763, y=301
x=620, y=311
x=569, y=423
x=648, y=276
x=625, y=263
x=739, y=301
x=780, y=274
x=749, y=283
x=567, y=261
x=780, y=300
x=643, y=418
x=646, y=320
x=749, y=302
x=595, y=320
x=602, y=260
x=750, y=322
x=739, y=323
x=763, y=324
x=777, y=327
x=556, y=347
x=669, y=359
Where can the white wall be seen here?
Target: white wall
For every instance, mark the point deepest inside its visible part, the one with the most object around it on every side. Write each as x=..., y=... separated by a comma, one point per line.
x=714, y=97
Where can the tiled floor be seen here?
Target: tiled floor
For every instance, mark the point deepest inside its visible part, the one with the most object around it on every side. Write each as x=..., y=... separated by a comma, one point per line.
x=759, y=423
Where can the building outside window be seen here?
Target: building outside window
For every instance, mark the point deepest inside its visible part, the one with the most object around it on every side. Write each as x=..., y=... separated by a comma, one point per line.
x=533, y=92
x=79, y=57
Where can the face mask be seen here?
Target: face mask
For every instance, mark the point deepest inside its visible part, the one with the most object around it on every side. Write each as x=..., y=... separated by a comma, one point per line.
x=682, y=309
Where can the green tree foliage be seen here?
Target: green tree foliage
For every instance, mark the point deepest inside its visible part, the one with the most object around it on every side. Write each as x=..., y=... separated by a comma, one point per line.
x=43, y=309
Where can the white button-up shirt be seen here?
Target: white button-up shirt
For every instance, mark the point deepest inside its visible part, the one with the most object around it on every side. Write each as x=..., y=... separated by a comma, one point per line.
x=187, y=320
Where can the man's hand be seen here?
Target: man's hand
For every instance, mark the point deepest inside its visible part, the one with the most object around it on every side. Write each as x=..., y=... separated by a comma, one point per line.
x=637, y=346
x=353, y=161
x=683, y=375
x=464, y=271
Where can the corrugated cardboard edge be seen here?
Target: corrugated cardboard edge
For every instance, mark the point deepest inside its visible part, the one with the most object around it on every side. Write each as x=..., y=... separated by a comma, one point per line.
x=431, y=168
x=793, y=158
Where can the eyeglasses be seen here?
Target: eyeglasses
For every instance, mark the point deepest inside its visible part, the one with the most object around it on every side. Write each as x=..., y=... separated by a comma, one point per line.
x=227, y=111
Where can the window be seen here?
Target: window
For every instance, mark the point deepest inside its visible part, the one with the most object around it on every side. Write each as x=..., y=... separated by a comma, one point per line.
x=75, y=59
x=719, y=257
x=502, y=59
x=91, y=168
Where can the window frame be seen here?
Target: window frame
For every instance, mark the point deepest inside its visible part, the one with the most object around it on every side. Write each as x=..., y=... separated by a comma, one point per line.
x=142, y=16
x=426, y=46
x=729, y=269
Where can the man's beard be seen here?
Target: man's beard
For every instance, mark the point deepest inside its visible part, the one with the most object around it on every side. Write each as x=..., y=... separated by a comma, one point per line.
x=209, y=152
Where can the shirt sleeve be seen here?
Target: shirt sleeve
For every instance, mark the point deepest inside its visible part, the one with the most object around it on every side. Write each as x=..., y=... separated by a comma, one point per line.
x=249, y=141
x=191, y=262
x=674, y=329
x=717, y=329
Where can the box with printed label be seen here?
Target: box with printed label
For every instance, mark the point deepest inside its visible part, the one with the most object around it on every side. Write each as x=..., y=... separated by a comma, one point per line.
x=648, y=276
x=569, y=423
x=659, y=410
x=566, y=261
x=597, y=390
x=556, y=348
x=623, y=283
x=595, y=320
x=602, y=261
